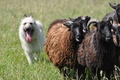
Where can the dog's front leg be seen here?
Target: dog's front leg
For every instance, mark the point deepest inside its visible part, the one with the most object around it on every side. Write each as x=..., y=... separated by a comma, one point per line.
x=29, y=57
x=37, y=55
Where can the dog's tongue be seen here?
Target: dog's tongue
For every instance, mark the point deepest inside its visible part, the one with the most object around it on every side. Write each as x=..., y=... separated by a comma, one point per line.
x=28, y=37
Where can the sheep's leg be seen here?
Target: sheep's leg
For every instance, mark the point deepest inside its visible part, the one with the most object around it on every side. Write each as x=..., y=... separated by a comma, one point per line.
x=66, y=72
x=62, y=71
x=29, y=57
x=79, y=70
x=77, y=76
x=37, y=55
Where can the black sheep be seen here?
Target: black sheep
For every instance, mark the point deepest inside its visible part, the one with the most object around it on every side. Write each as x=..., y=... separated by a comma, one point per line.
x=97, y=50
x=114, y=14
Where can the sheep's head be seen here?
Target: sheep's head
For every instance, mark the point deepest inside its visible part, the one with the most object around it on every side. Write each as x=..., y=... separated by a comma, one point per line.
x=77, y=27
x=116, y=33
x=104, y=29
x=82, y=20
x=116, y=7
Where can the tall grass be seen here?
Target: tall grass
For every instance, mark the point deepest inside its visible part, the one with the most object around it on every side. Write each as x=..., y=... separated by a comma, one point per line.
x=13, y=63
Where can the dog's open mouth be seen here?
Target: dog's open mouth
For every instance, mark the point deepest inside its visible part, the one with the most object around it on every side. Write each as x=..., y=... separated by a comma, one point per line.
x=28, y=37
x=28, y=33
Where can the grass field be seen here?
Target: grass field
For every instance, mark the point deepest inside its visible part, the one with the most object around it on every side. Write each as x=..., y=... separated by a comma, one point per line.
x=13, y=63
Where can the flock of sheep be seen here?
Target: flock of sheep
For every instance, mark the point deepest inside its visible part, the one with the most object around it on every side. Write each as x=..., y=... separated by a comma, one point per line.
x=73, y=44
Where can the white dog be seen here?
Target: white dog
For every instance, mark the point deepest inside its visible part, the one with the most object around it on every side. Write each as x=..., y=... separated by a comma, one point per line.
x=31, y=37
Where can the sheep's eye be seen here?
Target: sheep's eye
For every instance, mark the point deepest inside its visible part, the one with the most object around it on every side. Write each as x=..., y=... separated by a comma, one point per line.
x=24, y=24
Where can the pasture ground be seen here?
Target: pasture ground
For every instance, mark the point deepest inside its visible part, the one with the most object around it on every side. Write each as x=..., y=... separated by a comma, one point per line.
x=13, y=63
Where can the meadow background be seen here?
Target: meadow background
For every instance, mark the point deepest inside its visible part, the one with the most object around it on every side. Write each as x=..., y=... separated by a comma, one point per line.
x=13, y=63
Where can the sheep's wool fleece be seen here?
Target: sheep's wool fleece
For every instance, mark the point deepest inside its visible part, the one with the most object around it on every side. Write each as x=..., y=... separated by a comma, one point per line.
x=59, y=46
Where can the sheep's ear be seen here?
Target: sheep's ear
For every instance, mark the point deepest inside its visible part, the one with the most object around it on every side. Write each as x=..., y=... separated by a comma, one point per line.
x=95, y=24
x=84, y=27
x=71, y=19
x=113, y=30
x=87, y=18
x=25, y=15
x=111, y=20
x=114, y=7
x=68, y=24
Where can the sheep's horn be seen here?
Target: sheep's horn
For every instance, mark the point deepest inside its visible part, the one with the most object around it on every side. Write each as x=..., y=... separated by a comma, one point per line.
x=90, y=22
x=114, y=7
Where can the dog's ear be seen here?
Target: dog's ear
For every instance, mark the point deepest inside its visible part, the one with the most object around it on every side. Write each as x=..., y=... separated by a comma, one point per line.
x=25, y=15
x=31, y=15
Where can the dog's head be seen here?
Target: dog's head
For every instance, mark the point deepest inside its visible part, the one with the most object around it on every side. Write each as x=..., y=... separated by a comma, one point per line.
x=28, y=24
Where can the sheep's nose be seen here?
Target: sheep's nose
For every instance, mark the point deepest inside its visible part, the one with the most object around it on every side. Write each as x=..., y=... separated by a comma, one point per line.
x=78, y=38
x=108, y=38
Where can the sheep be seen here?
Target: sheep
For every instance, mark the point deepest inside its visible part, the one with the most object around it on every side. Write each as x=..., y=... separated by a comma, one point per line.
x=97, y=50
x=114, y=14
x=31, y=37
x=116, y=38
x=62, y=39
x=116, y=19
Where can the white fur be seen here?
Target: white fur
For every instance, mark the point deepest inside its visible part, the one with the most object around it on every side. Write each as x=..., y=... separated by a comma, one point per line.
x=36, y=45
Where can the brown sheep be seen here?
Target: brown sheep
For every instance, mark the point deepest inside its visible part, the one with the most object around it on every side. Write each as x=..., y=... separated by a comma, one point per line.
x=61, y=42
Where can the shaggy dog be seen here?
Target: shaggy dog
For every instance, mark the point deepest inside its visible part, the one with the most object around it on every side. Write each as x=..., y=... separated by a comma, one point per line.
x=31, y=37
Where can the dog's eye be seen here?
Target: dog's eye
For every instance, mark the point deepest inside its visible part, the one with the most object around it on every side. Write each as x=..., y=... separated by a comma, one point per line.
x=31, y=23
x=24, y=24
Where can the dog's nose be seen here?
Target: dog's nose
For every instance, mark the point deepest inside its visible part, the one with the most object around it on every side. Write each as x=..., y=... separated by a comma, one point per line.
x=27, y=29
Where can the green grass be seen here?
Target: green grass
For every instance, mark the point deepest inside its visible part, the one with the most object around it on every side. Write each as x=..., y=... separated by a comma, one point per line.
x=13, y=63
